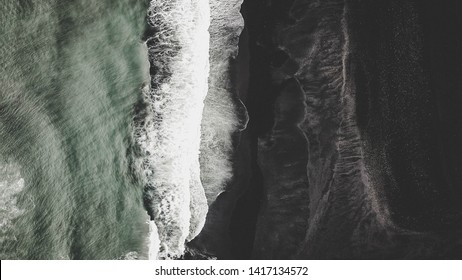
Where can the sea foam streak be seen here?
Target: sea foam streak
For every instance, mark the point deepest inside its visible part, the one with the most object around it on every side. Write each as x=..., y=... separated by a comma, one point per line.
x=169, y=135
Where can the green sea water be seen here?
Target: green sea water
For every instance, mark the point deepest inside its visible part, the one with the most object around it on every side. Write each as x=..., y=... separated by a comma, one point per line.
x=70, y=75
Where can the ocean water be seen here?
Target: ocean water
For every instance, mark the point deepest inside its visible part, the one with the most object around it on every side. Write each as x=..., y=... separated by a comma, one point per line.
x=71, y=73
x=116, y=125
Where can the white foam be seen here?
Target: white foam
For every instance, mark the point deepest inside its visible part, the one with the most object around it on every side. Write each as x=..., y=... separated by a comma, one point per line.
x=220, y=118
x=170, y=136
x=154, y=242
x=177, y=124
x=11, y=184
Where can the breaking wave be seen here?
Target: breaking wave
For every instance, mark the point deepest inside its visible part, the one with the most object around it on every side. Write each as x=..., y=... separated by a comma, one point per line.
x=169, y=134
x=185, y=129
